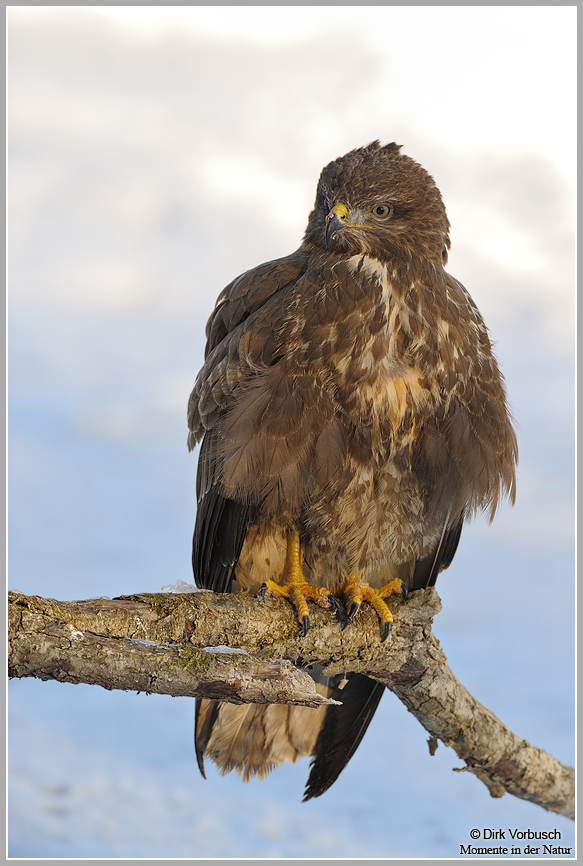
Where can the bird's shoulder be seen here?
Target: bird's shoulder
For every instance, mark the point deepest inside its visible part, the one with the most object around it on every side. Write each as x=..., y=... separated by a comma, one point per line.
x=460, y=304
x=249, y=292
x=243, y=312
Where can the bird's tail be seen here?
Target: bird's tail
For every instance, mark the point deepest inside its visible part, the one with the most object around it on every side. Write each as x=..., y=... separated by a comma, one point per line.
x=253, y=739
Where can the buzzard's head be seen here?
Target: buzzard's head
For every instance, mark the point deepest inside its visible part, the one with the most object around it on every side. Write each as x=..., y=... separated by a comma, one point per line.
x=377, y=201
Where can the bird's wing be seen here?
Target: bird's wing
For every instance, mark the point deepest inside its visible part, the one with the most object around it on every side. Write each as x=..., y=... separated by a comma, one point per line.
x=425, y=570
x=240, y=343
x=241, y=299
x=480, y=432
x=221, y=525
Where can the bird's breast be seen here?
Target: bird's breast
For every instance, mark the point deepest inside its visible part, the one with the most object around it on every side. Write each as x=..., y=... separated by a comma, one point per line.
x=378, y=375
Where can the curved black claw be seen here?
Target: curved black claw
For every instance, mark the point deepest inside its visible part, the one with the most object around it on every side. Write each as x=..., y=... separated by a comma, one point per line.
x=350, y=614
x=404, y=592
x=385, y=630
x=335, y=605
x=261, y=593
x=305, y=624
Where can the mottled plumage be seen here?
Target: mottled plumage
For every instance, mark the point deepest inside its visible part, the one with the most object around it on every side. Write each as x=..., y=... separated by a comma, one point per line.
x=350, y=395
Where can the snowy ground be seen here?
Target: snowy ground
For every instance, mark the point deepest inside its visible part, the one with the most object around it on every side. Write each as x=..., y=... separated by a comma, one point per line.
x=147, y=169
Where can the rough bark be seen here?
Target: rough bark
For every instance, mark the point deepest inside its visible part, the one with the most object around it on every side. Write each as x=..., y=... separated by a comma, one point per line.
x=173, y=644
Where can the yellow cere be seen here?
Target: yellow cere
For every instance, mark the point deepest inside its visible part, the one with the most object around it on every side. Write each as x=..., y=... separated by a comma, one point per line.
x=340, y=210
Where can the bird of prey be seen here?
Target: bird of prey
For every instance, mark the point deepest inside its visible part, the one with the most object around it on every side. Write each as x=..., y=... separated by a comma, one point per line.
x=352, y=416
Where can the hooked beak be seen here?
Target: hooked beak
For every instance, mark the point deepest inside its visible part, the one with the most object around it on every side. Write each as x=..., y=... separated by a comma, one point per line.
x=334, y=225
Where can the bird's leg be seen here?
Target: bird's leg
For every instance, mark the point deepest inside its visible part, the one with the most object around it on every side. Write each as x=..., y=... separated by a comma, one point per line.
x=356, y=590
x=295, y=586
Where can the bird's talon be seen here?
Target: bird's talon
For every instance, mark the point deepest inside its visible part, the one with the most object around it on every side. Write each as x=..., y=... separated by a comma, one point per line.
x=335, y=605
x=352, y=612
x=305, y=624
x=262, y=591
x=385, y=630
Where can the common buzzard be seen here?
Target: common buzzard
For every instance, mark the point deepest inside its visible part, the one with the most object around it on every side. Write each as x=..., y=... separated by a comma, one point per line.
x=352, y=416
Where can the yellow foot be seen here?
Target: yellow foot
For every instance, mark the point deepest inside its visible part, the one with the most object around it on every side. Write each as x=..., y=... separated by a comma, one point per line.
x=357, y=590
x=296, y=588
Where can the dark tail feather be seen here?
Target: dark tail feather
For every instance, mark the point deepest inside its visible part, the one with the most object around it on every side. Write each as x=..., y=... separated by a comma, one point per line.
x=342, y=731
x=203, y=728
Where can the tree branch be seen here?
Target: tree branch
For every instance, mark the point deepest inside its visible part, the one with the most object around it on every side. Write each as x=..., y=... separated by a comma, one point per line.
x=172, y=644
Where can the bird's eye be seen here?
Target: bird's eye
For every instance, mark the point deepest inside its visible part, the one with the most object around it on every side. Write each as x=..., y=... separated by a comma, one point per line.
x=382, y=211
